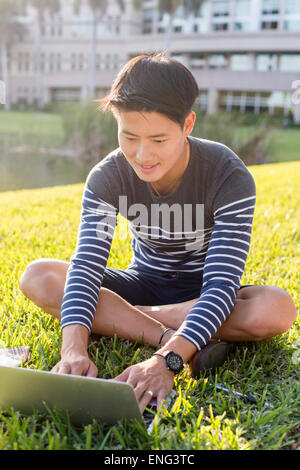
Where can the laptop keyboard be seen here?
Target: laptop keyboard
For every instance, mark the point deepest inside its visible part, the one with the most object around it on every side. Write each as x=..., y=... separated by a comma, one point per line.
x=150, y=412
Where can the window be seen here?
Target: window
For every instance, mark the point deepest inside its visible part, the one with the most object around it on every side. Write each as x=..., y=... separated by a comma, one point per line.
x=109, y=25
x=54, y=62
x=269, y=25
x=197, y=61
x=181, y=58
x=58, y=62
x=221, y=8
x=24, y=62
x=220, y=26
x=177, y=29
x=118, y=27
x=20, y=62
x=289, y=63
x=217, y=61
x=266, y=62
x=107, y=61
x=78, y=26
x=203, y=10
x=202, y=100
x=42, y=62
x=242, y=8
x=22, y=95
x=276, y=102
x=99, y=31
x=179, y=12
x=292, y=7
x=240, y=62
x=65, y=94
x=116, y=61
x=147, y=21
x=51, y=62
x=81, y=62
x=270, y=7
x=73, y=61
x=77, y=61
x=242, y=26
x=292, y=25
x=98, y=62
x=60, y=27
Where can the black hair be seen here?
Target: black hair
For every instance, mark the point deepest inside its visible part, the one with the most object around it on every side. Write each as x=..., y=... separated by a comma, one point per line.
x=153, y=82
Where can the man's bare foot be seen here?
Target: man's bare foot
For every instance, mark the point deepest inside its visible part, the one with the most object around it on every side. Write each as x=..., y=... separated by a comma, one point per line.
x=171, y=315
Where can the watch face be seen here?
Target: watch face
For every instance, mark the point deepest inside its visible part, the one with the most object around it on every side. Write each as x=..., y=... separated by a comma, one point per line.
x=174, y=362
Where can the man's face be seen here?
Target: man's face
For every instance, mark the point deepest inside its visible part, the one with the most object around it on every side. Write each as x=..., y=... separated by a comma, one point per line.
x=153, y=144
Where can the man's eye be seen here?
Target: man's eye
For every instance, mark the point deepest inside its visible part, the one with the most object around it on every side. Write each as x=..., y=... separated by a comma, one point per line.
x=159, y=141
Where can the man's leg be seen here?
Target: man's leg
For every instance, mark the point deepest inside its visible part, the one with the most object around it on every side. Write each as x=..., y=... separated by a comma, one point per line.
x=43, y=282
x=260, y=312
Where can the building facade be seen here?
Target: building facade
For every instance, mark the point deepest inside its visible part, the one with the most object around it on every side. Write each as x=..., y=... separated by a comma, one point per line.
x=244, y=54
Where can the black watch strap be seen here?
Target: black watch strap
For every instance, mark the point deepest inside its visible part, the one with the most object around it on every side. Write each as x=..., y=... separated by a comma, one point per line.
x=174, y=361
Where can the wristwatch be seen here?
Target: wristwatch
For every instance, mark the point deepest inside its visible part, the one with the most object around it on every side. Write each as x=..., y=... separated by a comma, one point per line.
x=174, y=362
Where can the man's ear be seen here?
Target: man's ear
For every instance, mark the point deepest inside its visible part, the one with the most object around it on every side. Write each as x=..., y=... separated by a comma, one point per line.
x=189, y=123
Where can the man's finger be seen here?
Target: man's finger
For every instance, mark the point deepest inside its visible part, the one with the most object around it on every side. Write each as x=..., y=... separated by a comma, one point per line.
x=92, y=371
x=63, y=369
x=145, y=400
x=123, y=376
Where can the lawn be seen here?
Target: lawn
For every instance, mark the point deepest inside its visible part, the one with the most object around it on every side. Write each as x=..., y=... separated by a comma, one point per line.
x=33, y=123
x=43, y=223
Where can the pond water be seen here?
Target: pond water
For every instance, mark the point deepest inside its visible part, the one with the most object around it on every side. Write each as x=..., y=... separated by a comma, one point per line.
x=21, y=168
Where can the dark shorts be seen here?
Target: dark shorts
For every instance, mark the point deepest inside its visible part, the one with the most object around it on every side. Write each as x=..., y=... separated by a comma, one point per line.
x=144, y=287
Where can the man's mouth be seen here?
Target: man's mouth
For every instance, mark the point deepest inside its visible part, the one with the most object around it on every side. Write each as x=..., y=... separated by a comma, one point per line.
x=148, y=168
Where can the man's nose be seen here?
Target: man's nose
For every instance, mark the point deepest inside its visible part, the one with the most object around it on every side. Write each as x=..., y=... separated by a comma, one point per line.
x=143, y=154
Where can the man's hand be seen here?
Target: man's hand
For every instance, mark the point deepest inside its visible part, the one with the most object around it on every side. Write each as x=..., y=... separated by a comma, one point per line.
x=151, y=375
x=74, y=356
x=76, y=364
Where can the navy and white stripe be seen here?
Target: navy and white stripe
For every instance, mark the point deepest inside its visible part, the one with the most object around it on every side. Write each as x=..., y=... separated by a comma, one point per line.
x=164, y=253
x=224, y=265
x=220, y=253
x=85, y=273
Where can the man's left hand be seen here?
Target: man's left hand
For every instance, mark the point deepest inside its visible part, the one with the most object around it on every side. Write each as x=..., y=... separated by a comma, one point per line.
x=149, y=376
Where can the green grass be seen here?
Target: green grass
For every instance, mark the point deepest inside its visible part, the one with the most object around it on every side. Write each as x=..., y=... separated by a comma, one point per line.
x=30, y=123
x=284, y=143
x=43, y=224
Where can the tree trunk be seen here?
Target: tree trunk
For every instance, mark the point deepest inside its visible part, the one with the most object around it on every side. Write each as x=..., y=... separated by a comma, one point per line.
x=4, y=64
x=38, y=72
x=168, y=35
x=92, y=59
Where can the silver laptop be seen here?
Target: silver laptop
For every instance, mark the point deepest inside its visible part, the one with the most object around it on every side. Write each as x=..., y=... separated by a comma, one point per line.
x=84, y=398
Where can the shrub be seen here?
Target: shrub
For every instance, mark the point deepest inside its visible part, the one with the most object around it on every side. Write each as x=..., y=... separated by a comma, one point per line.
x=90, y=133
x=226, y=127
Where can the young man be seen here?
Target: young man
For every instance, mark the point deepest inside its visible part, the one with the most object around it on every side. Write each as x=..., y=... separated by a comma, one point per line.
x=190, y=203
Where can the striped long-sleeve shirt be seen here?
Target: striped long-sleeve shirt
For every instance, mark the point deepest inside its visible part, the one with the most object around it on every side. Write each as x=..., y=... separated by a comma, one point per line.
x=204, y=226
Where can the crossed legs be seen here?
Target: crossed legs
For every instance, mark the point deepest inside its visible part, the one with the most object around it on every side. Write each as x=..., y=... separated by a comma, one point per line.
x=260, y=312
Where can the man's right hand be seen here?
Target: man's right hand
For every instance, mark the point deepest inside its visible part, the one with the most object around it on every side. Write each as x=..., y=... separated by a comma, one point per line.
x=74, y=356
x=76, y=365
